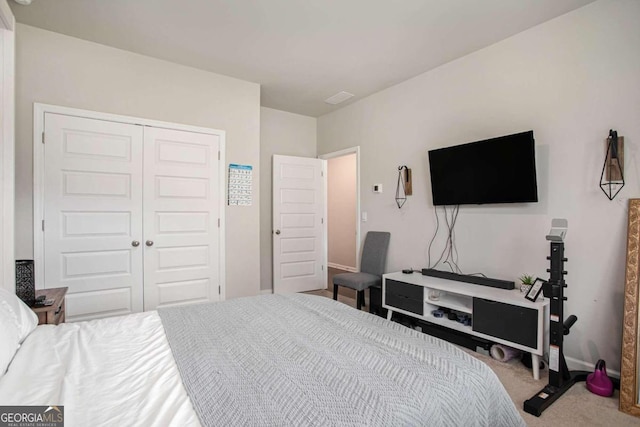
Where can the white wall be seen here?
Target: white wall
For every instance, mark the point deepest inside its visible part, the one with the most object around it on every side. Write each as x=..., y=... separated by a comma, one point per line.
x=7, y=150
x=61, y=70
x=285, y=134
x=570, y=80
x=341, y=211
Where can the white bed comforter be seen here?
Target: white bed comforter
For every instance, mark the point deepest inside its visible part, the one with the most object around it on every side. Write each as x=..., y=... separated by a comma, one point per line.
x=117, y=371
x=121, y=371
x=304, y=360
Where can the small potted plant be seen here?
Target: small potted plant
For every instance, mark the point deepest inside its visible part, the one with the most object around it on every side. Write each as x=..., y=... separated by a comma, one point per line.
x=526, y=282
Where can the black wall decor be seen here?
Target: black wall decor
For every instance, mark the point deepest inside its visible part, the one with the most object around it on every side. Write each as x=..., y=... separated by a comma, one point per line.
x=612, y=176
x=25, y=281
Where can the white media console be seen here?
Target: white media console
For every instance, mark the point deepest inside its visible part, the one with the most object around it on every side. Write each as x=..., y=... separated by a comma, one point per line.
x=498, y=315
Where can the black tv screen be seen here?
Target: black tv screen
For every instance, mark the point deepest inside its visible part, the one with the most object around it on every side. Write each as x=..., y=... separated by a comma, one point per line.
x=497, y=170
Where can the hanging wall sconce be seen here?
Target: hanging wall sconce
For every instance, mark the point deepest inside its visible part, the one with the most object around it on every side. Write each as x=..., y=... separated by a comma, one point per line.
x=612, y=176
x=403, y=188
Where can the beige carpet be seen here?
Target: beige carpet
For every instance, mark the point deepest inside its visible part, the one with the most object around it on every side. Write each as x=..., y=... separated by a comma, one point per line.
x=577, y=407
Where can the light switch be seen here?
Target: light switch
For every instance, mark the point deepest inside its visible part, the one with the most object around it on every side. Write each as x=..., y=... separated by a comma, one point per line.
x=377, y=188
x=363, y=215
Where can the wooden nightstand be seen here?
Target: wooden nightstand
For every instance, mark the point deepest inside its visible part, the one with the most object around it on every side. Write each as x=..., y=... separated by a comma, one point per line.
x=52, y=314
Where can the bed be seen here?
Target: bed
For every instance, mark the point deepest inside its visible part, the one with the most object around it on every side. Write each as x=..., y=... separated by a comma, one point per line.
x=267, y=360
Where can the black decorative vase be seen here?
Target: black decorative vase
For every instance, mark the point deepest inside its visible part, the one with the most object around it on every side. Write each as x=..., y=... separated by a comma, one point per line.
x=25, y=281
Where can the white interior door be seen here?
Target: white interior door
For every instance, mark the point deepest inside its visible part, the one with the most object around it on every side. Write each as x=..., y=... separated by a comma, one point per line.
x=181, y=217
x=299, y=240
x=93, y=214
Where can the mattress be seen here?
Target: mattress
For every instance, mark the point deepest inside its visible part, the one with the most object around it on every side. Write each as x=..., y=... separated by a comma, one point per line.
x=123, y=371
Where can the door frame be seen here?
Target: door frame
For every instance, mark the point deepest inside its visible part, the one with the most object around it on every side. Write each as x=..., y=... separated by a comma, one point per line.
x=340, y=153
x=39, y=111
x=7, y=147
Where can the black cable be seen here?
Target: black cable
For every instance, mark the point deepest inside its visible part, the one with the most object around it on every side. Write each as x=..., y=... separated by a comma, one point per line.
x=453, y=240
x=433, y=238
x=445, y=248
x=449, y=249
x=449, y=264
x=450, y=226
x=476, y=274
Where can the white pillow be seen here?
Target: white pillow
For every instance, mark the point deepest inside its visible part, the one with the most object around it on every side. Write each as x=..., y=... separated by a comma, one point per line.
x=26, y=320
x=17, y=321
x=9, y=340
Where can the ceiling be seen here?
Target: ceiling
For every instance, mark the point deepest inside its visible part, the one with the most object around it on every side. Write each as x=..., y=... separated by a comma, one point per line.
x=300, y=51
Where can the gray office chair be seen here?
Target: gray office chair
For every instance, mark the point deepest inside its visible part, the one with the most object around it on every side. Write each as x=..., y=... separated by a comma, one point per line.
x=374, y=256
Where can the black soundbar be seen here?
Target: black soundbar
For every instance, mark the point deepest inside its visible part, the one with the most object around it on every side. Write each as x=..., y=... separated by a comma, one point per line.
x=478, y=280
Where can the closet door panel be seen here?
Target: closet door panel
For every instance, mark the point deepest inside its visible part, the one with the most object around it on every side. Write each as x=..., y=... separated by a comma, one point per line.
x=92, y=214
x=181, y=211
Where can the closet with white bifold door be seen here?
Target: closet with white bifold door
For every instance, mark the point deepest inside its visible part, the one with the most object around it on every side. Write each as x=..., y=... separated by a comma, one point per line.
x=128, y=213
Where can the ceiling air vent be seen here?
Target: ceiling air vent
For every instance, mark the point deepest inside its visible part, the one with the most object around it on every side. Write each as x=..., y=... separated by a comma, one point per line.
x=338, y=98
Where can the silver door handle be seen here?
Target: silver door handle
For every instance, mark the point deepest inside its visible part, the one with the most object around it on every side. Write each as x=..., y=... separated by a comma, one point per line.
x=277, y=231
x=149, y=243
x=135, y=243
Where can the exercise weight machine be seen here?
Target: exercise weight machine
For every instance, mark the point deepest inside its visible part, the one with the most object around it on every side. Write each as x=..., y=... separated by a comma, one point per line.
x=560, y=379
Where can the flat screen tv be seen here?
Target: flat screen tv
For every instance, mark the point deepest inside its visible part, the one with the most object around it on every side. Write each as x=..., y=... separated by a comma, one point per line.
x=496, y=170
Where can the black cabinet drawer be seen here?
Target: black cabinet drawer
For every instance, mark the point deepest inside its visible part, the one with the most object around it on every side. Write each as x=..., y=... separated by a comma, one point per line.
x=404, y=296
x=404, y=289
x=509, y=322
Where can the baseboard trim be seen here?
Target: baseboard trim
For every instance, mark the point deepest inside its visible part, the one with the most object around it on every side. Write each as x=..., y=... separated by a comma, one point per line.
x=581, y=365
x=266, y=291
x=342, y=267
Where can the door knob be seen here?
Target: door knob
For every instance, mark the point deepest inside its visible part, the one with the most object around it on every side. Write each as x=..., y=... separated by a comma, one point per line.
x=135, y=243
x=149, y=242
x=277, y=231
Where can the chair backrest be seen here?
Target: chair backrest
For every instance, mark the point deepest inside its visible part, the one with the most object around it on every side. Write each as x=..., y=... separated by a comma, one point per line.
x=374, y=253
